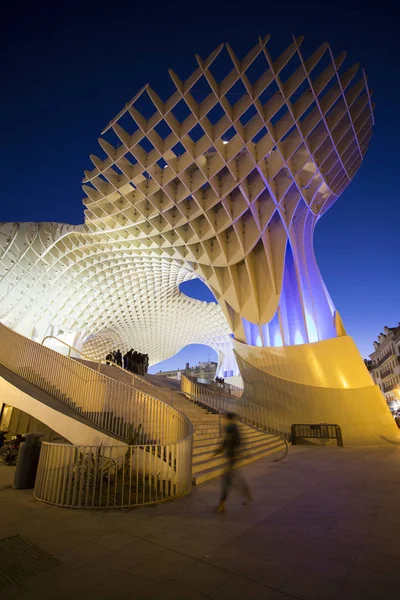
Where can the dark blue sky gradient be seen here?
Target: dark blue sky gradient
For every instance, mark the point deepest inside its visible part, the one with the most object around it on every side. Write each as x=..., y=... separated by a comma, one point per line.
x=66, y=71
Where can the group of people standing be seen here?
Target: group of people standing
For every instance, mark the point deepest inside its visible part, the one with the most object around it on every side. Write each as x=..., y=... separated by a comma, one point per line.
x=132, y=361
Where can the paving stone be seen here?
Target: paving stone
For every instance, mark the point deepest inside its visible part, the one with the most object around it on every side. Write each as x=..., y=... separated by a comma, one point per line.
x=337, y=550
x=382, y=562
x=202, y=577
x=167, y=565
x=325, y=525
x=114, y=540
x=170, y=591
x=312, y=586
x=239, y=588
x=78, y=555
x=131, y=584
x=377, y=585
x=267, y=572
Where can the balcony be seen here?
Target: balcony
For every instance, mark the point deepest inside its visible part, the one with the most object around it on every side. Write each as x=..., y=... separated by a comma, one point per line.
x=387, y=373
x=389, y=388
x=386, y=357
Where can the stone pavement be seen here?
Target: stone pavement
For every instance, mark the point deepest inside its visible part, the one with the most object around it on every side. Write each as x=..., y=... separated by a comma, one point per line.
x=325, y=524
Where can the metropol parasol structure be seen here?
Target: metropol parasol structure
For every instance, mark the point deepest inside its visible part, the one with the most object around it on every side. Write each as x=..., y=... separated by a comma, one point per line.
x=226, y=186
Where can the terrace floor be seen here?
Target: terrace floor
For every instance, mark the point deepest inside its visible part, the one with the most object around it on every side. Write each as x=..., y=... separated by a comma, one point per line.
x=325, y=524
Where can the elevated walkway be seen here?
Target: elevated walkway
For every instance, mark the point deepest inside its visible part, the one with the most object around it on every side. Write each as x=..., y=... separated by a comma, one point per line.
x=56, y=414
x=72, y=397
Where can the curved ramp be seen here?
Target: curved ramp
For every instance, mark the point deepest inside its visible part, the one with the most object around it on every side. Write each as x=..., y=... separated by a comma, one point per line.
x=20, y=393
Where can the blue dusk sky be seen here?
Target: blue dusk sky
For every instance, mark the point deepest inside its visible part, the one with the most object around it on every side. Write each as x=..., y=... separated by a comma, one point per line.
x=68, y=68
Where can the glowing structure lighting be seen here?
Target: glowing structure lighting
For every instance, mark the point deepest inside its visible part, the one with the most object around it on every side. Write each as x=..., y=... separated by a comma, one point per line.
x=239, y=214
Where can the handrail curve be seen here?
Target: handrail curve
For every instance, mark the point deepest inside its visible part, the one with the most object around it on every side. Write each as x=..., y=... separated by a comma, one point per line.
x=246, y=411
x=53, y=337
x=109, y=404
x=106, y=477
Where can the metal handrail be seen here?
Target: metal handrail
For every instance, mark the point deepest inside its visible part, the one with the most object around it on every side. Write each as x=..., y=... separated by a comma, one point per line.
x=220, y=403
x=53, y=337
x=256, y=413
x=222, y=389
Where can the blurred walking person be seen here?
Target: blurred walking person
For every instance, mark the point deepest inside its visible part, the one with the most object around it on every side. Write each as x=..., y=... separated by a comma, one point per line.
x=231, y=448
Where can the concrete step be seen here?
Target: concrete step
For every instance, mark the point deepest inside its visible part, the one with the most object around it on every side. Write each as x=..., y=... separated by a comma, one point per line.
x=209, y=461
x=244, y=436
x=203, y=452
x=201, y=415
x=196, y=412
x=206, y=465
x=204, y=428
x=213, y=473
x=201, y=419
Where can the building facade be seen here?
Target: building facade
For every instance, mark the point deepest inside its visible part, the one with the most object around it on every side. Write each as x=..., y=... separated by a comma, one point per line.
x=384, y=364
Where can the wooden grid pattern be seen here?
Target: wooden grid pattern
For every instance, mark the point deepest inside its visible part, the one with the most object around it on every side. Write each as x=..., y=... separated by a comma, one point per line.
x=187, y=187
x=220, y=189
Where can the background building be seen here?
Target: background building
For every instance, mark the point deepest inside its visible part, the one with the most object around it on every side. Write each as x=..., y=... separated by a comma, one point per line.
x=203, y=370
x=384, y=364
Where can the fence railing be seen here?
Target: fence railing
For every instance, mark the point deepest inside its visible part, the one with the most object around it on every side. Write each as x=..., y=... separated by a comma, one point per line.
x=113, y=476
x=221, y=389
x=246, y=411
x=206, y=396
x=303, y=432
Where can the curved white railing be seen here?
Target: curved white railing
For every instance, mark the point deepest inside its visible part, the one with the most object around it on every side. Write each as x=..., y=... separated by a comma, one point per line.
x=107, y=403
x=129, y=414
x=113, y=476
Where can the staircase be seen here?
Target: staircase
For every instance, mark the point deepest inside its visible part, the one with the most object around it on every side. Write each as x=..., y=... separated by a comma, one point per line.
x=255, y=444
